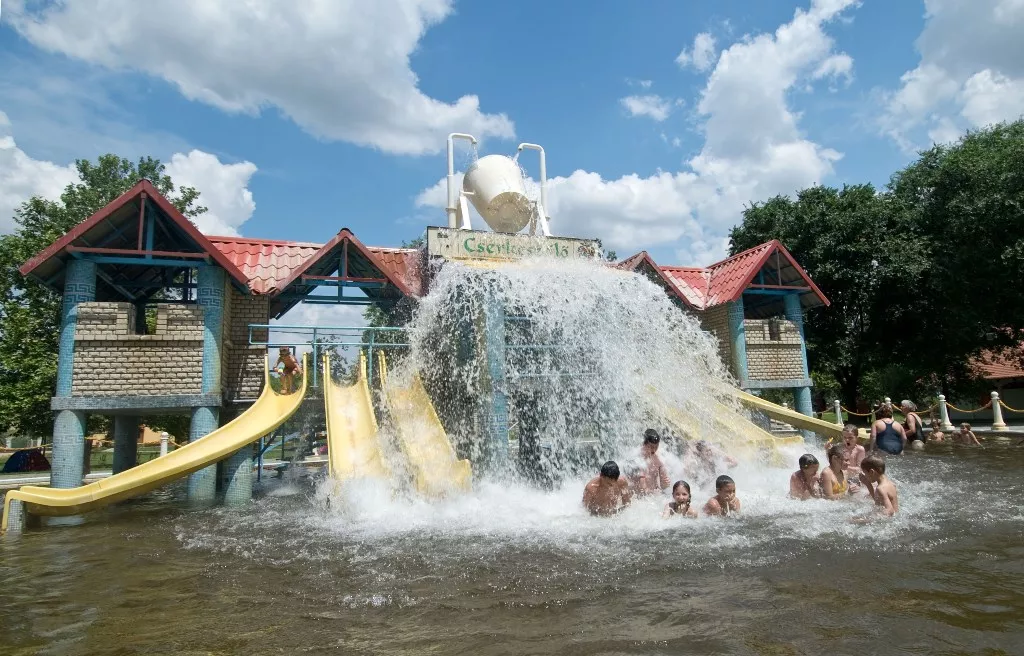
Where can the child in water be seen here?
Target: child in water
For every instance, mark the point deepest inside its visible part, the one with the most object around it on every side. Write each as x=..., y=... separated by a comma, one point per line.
x=608, y=493
x=725, y=502
x=680, y=503
x=853, y=451
x=804, y=483
x=880, y=488
x=936, y=435
x=966, y=436
x=834, y=484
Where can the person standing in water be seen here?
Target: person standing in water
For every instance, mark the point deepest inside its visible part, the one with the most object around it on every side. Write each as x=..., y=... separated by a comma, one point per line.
x=725, y=502
x=936, y=434
x=853, y=451
x=886, y=434
x=834, y=484
x=881, y=489
x=966, y=436
x=804, y=483
x=608, y=493
x=656, y=478
x=912, y=426
x=679, y=506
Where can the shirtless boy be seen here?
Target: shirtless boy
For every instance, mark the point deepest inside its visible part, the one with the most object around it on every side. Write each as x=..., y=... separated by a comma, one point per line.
x=608, y=493
x=655, y=477
x=853, y=451
x=805, y=482
x=725, y=502
x=880, y=488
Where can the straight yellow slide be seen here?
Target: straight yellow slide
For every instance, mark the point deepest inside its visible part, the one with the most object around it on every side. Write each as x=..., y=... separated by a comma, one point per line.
x=266, y=414
x=352, y=447
x=436, y=469
x=792, y=417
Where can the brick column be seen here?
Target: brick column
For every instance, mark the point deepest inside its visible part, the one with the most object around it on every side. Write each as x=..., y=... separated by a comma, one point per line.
x=126, y=441
x=801, y=395
x=69, y=425
x=738, y=334
x=202, y=485
x=495, y=449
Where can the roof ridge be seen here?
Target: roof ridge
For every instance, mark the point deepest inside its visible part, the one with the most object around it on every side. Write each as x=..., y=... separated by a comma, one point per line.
x=257, y=240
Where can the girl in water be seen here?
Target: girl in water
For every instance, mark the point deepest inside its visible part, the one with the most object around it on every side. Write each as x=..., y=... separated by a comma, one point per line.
x=804, y=483
x=680, y=503
x=834, y=484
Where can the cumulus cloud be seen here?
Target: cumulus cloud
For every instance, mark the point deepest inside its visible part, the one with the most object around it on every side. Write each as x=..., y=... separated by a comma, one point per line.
x=223, y=187
x=651, y=106
x=22, y=177
x=701, y=56
x=339, y=68
x=970, y=74
x=752, y=150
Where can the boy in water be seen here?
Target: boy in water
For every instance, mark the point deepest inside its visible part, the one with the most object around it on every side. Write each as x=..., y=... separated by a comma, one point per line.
x=725, y=501
x=853, y=451
x=966, y=436
x=608, y=493
x=879, y=487
x=656, y=478
x=805, y=482
x=936, y=435
x=286, y=360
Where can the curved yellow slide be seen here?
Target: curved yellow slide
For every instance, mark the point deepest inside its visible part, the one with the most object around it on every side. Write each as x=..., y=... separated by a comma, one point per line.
x=352, y=447
x=436, y=469
x=266, y=414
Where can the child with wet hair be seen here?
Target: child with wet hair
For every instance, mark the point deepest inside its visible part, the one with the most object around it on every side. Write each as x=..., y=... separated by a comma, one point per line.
x=725, y=502
x=966, y=436
x=853, y=450
x=804, y=483
x=834, y=483
x=881, y=489
x=680, y=503
x=608, y=493
x=936, y=434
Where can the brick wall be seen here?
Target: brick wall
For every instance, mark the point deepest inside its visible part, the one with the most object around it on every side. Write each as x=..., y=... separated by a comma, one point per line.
x=769, y=359
x=110, y=360
x=243, y=367
x=715, y=320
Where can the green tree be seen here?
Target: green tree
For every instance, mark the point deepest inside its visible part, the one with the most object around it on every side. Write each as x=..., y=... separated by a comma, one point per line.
x=30, y=312
x=852, y=246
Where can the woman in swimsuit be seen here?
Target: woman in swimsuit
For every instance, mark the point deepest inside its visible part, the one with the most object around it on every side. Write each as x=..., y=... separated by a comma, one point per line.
x=803, y=484
x=680, y=503
x=886, y=434
x=912, y=427
x=834, y=484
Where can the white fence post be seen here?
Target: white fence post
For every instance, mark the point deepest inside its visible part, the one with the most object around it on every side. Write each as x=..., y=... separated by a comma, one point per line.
x=164, y=438
x=839, y=412
x=997, y=414
x=944, y=414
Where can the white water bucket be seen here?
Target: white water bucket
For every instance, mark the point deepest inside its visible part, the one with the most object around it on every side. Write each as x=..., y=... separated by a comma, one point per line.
x=495, y=187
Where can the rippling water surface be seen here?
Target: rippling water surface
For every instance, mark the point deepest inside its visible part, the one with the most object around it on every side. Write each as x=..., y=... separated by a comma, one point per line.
x=515, y=570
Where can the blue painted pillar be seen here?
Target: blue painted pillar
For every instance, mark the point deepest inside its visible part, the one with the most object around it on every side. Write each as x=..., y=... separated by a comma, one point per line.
x=69, y=425
x=738, y=335
x=202, y=485
x=496, y=419
x=801, y=395
x=126, y=441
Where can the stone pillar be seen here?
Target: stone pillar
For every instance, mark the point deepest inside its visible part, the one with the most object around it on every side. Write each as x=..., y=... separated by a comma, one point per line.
x=997, y=414
x=202, y=485
x=795, y=314
x=69, y=425
x=495, y=454
x=15, y=516
x=738, y=334
x=944, y=414
x=126, y=442
x=238, y=471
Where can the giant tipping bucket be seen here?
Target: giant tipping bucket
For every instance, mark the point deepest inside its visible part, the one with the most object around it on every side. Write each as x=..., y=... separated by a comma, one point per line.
x=494, y=184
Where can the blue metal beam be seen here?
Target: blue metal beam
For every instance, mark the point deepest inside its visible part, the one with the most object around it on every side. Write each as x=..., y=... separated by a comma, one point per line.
x=330, y=300
x=138, y=261
x=345, y=283
x=773, y=292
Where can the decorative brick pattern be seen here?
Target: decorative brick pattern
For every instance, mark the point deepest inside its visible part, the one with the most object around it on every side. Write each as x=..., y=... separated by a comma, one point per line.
x=79, y=288
x=67, y=462
x=715, y=320
x=769, y=359
x=110, y=360
x=243, y=370
x=202, y=484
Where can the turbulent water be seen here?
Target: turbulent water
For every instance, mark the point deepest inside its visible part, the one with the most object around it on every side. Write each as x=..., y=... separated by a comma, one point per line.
x=519, y=568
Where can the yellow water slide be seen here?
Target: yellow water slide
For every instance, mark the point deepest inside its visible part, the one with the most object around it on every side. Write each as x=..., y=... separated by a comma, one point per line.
x=352, y=447
x=792, y=417
x=266, y=414
x=437, y=470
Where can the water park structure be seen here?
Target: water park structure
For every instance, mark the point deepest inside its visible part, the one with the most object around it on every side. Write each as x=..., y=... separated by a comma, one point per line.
x=159, y=318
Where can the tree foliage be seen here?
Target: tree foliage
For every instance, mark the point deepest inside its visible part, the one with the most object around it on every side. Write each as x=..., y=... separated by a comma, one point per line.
x=30, y=312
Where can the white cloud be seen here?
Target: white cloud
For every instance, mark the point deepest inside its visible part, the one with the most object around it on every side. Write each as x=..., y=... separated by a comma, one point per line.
x=971, y=72
x=752, y=150
x=223, y=189
x=22, y=177
x=652, y=106
x=645, y=84
x=338, y=68
x=702, y=55
x=836, y=66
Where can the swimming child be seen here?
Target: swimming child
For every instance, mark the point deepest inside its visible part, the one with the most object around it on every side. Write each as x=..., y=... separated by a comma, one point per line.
x=854, y=452
x=880, y=488
x=608, y=493
x=290, y=367
x=725, y=502
x=702, y=462
x=886, y=434
x=804, y=483
x=966, y=436
x=656, y=478
x=834, y=483
x=680, y=503
x=936, y=435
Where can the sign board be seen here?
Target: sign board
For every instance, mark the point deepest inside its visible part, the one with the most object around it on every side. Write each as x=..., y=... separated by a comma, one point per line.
x=452, y=244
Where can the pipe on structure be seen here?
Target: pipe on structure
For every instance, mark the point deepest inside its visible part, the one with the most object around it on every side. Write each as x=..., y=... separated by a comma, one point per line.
x=544, y=219
x=453, y=193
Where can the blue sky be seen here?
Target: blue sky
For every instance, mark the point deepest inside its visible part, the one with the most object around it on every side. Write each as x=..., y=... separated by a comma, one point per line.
x=295, y=120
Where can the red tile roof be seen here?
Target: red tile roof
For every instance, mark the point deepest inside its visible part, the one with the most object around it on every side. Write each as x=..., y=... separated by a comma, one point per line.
x=641, y=259
x=265, y=262
x=994, y=366
x=401, y=264
x=725, y=281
